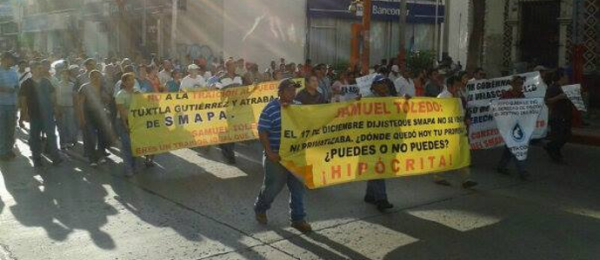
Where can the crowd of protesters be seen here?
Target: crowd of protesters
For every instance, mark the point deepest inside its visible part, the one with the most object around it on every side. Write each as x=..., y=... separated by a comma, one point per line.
x=91, y=98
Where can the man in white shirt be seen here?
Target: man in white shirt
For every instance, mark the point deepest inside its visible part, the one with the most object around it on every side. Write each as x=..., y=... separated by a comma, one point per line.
x=405, y=86
x=394, y=73
x=231, y=78
x=165, y=74
x=193, y=81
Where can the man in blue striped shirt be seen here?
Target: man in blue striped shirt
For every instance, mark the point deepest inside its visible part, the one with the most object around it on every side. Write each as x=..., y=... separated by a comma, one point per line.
x=276, y=176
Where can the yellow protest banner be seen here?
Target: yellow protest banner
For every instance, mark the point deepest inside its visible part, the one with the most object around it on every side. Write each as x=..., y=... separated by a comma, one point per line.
x=164, y=122
x=372, y=139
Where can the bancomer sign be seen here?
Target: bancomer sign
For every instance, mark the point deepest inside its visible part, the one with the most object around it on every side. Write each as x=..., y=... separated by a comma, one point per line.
x=382, y=11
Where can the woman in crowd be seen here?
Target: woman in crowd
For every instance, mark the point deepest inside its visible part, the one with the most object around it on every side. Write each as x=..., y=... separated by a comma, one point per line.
x=174, y=84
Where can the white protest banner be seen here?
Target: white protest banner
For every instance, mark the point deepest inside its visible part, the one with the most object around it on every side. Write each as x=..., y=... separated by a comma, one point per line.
x=483, y=132
x=364, y=83
x=516, y=120
x=362, y=88
x=348, y=92
x=573, y=92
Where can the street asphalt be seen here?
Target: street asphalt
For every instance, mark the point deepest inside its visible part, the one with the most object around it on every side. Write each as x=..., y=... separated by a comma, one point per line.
x=194, y=206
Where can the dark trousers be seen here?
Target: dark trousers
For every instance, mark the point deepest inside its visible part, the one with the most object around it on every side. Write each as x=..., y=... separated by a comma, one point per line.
x=560, y=133
x=228, y=151
x=507, y=157
x=46, y=126
x=376, y=190
x=94, y=139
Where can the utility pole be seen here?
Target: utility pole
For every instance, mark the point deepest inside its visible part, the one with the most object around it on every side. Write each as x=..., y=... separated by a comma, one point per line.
x=366, y=33
x=402, y=36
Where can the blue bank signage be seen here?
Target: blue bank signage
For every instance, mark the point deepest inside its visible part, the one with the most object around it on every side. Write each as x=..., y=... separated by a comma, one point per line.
x=382, y=11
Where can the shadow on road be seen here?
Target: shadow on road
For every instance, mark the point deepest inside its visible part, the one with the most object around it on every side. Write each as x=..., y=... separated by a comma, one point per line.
x=58, y=202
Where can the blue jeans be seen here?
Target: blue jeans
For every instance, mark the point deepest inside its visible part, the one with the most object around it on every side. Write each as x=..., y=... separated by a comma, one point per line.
x=39, y=126
x=67, y=126
x=128, y=160
x=8, y=123
x=508, y=156
x=376, y=190
x=276, y=176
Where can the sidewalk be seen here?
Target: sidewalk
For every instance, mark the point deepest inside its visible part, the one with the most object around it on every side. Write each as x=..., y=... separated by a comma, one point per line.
x=590, y=134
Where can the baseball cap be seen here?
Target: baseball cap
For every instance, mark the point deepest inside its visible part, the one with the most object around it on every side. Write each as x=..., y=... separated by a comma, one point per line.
x=193, y=67
x=395, y=68
x=288, y=83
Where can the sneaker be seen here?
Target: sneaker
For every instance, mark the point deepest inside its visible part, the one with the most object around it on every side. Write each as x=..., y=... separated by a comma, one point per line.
x=503, y=171
x=261, y=218
x=469, y=184
x=105, y=153
x=302, y=226
x=442, y=182
x=382, y=205
x=94, y=164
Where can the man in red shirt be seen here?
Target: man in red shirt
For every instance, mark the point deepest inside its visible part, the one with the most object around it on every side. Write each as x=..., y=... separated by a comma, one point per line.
x=515, y=92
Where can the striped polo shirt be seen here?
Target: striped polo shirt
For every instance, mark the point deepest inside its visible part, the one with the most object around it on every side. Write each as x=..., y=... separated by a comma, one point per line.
x=270, y=122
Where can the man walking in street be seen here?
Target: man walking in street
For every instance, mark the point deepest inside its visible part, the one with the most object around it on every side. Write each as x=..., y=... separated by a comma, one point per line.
x=9, y=86
x=515, y=92
x=123, y=101
x=38, y=106
x=230, y=79
x=276, y=175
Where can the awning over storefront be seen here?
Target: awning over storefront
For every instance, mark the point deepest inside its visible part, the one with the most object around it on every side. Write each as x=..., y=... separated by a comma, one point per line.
x=382, y=11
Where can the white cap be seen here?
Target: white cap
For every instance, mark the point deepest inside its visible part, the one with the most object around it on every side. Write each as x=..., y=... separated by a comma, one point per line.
x=540, y=68
x=193, y=67
x=395, y=68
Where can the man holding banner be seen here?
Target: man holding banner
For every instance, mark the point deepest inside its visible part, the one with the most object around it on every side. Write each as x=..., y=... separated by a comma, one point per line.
x=376, y=193
x=276, y=175
x=516, y=92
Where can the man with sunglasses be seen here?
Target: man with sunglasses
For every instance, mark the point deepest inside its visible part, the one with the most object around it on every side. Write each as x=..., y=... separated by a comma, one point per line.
x=276, y=175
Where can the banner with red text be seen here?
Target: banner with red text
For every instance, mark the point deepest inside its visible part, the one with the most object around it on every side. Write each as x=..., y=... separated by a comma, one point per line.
x=373, y=138
x=164, y=122
x=483, y=131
